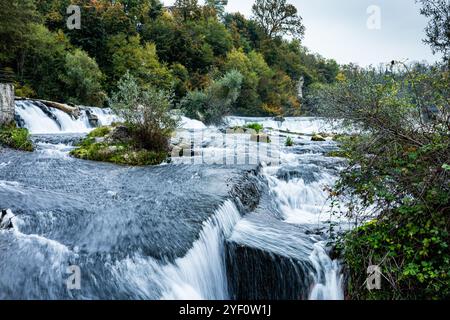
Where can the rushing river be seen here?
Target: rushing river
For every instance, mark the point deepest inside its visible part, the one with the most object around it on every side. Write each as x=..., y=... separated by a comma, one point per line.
x=200, y=227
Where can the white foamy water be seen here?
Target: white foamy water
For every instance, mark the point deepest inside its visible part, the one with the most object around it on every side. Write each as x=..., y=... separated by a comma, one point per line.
x=199, y=275
x=304, y=125
x=329, y=280
x=38, y=122
x=191, y=124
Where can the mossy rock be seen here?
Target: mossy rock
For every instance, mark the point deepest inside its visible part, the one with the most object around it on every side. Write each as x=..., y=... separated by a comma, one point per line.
x=15, y=138
x=97, y=147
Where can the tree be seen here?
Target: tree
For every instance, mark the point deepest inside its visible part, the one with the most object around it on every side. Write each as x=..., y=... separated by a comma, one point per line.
x=16, y=19
x=83, y=79
x=146, y=113
x=215, y=102
x=218, y=6
x=438, y=29
x=42, y=60
x=127, y=54
x=278, y=18
x=187, y=9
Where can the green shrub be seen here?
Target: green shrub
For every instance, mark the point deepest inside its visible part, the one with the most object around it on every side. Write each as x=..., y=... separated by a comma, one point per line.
x=255, y=126
x=146, y=113
x=289, y=142
x=115, y=151
x=397, y=174
x=16, y=138
x=83, y=79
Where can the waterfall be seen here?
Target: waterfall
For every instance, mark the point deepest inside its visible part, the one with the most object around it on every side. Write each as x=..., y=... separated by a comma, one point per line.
x=200, y=274
x=274, y=248
x=304, y=125
x=305, y=202
x=40, y=119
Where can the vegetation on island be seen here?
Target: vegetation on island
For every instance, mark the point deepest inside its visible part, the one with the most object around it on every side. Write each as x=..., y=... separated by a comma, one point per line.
x=15, y=138
x=143, y=138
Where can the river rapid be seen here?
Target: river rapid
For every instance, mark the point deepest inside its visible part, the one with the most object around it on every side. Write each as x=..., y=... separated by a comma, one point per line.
x=235, y=219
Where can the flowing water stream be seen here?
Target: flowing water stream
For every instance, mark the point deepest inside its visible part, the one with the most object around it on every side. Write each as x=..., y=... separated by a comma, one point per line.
x=196, y=228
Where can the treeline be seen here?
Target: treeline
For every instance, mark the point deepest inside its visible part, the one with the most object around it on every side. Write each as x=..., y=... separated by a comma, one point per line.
x=187, y=49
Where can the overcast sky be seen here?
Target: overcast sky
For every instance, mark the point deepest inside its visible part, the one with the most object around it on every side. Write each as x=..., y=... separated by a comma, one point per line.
x=338, y=29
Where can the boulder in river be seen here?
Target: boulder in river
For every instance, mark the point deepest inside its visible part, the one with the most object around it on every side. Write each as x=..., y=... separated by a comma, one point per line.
x=6, y=217
x=318, y=137
x=92, y=118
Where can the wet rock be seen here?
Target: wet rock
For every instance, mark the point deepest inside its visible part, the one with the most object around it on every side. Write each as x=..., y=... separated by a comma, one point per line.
x=6, y=217
x=20, y=122
x=92, y=118
x=254, y=274
x=260, y=138
x=279, y=119
x=120, y=134
x=318, y=138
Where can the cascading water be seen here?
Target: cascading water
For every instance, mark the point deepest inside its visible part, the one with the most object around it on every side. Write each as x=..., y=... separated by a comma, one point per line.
x=40, y=119
x=174, y=244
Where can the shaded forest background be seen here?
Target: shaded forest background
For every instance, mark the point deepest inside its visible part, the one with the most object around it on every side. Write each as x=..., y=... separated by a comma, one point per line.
x=181, y=49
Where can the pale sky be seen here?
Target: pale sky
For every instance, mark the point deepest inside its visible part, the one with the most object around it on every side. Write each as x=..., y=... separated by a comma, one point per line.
x=338, y=29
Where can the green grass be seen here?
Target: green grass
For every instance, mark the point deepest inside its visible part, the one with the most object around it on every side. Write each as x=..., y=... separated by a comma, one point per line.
x=289, y=142
x=16, y=138
x=99, y=132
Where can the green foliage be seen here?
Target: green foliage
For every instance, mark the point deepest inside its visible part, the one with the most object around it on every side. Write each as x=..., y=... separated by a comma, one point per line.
x=216, y=101
x=45, y=61
x=255, y=126
x=99, y=132
x=99, y=145
x=82, y=79
x=142, y=62
x=278, y=18
x=146, y=112
x=438, y=28
x=412, y=251
x=16, y=19
x=16, y=138
x=397, y=169
x=289, y=142
x=178, y=50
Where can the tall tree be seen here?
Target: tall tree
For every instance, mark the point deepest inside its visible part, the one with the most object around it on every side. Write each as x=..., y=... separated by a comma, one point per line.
x=16, y=19
x=187, y=9
x=438, y=28
x=278, y=18
x=218, y=6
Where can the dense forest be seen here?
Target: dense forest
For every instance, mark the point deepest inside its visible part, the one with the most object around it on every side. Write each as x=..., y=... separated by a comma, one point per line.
x=184, y=49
